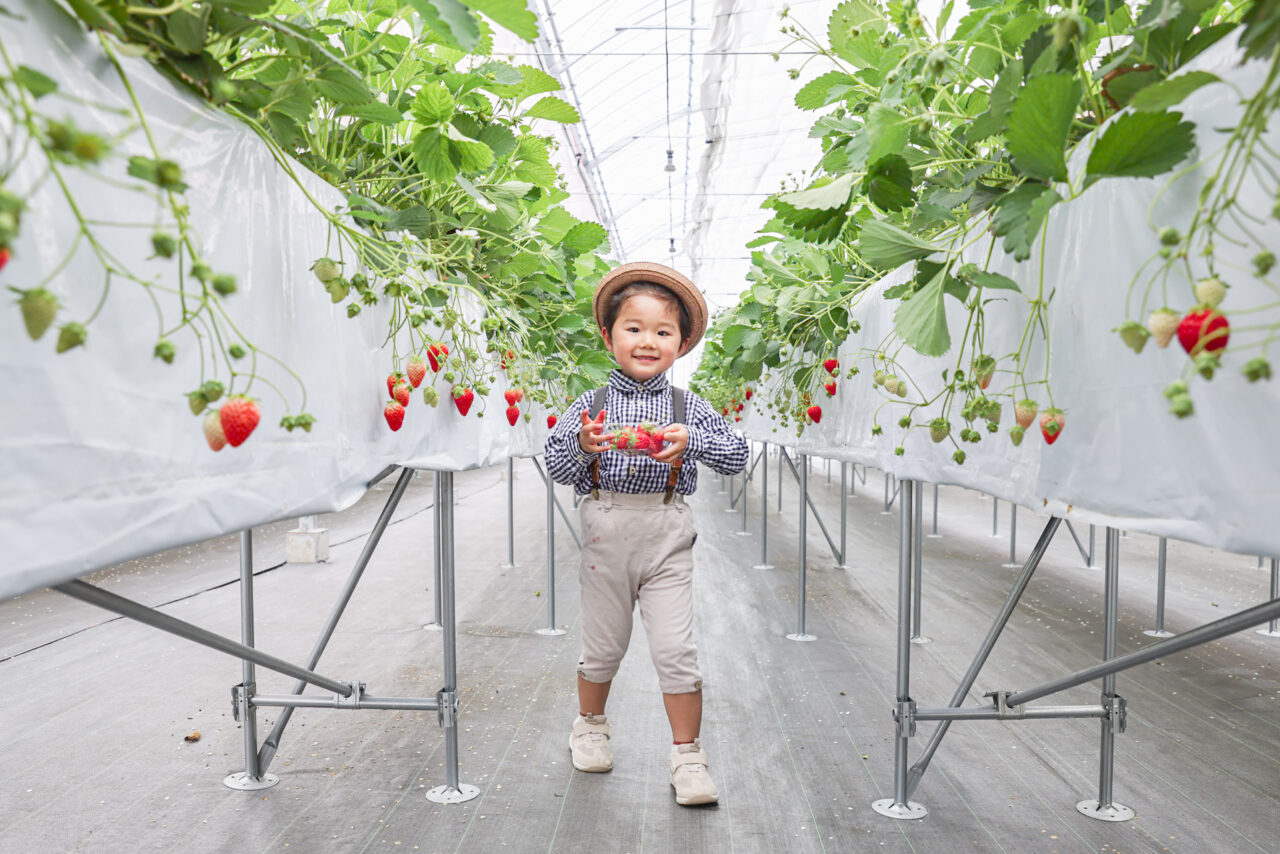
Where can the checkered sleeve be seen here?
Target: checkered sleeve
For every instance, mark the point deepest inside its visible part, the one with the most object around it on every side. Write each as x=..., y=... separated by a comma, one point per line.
x=712, y=441
x=566, y=461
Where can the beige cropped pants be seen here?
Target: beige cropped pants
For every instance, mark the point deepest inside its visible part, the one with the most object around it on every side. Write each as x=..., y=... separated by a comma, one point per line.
x=637, y=549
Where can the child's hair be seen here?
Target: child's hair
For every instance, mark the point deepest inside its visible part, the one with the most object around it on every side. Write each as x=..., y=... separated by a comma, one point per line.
x=653, y=289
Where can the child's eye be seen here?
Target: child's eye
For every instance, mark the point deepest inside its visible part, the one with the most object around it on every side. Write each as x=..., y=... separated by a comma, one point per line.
x=633, y=328
x=664, y=332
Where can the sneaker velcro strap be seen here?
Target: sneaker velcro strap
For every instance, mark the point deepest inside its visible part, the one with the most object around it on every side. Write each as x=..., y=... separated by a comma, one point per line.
x=585, y=728
x=696, y=758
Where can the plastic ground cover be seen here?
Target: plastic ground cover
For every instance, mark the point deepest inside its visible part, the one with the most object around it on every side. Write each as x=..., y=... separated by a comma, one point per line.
x=1121, y=458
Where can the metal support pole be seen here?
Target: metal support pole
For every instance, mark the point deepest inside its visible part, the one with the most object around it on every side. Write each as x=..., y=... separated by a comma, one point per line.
x=885, y=511
x=799, y=634
x=733, y=503
x=935, y=533
x=984, y=650
x=452, y=792
x=995, y=516
x=844, y=518
x=551, y=630
x=743, y=498
x=1105, y=808
x=1091, y=564
x=822, y=526
x=272, y=742
x=434, y=625
x=546, y=478
x=782, y=452
x=1273, y=628
x=917, y=560
x=251, y=779
x=828, y=472
x=1013, y=537
x=1158, y=631
x=764, y=507
x=898, y=806
x=511, y=514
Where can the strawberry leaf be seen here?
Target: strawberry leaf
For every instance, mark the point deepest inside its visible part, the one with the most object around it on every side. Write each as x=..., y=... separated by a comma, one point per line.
x=1140, y=145
x=552, y=109
x=431, y=154
x=433, y=104
x=921, y=320
x=885, y=246
x=888, y=183
x=823, y=90
x=514, y=15
x=450, y=20
x=1166, y=94
x=1019, y=215
x=854, y=30
x=1039, y=124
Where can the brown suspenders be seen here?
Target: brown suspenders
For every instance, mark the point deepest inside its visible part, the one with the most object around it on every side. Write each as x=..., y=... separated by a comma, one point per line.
x=677, y=417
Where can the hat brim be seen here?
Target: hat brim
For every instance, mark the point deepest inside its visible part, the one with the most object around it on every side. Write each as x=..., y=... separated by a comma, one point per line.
x=648, y=271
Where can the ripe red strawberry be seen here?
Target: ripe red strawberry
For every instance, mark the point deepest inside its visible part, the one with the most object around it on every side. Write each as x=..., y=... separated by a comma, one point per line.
x=832, y=365
x=394, y=413
x=726, y=410
x=392, y=379
x=1203, y=331
x=511, y=396
x=401, y=393
x=748, y=394
x=239, y=415
x=623, y=439
x=5, y=255
x=416, y=371
x=1025, y=412
x=213, y=431
x=643, y=442
x=513, y=414
x=519, y=395
x=1051, y=422
x=737, y=418
x=815, y=413
x=551, y=422
x=436, y=354
x=830, y=387
x=462, y=398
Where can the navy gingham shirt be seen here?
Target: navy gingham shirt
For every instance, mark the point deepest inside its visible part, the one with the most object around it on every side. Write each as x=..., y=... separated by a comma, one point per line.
x=712, y=441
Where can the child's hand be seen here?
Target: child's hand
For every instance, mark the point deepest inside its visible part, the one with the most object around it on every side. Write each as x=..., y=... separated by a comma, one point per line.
x=591, y=438
x=677, y=437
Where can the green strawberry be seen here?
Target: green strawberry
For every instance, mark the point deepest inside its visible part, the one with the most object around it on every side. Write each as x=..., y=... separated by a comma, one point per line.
x=39, y=307
x=165, y=351
x=1134, y=335
x=224, y=284
x=197, y=401
x=939, y=429
x=71, y=336
x=1257, y=369
x=164, y=244
x=430, y=396
x=212, y=390
x=1016, y=432
x=326, y=269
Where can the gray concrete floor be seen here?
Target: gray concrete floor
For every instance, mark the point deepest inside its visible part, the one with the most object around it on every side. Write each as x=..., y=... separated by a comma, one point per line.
x=92, y=727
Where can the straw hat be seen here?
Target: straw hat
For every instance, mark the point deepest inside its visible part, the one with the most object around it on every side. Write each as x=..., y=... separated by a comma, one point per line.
x=647, y=271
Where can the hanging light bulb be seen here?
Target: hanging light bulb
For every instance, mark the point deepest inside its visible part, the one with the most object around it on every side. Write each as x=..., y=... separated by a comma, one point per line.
x=672, y=250
x=671, y=161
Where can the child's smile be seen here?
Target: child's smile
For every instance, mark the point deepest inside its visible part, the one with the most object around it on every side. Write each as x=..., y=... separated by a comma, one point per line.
x=645, y=339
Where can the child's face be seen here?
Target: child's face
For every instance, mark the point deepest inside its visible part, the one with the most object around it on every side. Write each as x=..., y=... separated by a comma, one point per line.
x=645, y=339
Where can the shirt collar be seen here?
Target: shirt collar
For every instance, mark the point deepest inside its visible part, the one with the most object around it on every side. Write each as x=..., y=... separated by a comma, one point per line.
x=618, y=381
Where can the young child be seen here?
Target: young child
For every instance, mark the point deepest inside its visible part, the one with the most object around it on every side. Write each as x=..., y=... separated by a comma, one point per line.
x=637, y=531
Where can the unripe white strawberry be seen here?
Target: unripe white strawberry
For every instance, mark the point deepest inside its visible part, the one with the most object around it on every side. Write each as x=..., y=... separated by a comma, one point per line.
x=1210, y=291
x=213, y=430
x=1162, y=324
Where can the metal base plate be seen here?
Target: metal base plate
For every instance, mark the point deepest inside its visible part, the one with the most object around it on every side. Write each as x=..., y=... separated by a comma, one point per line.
x=1011, y=565
x=505, y=565
x=1113, y=812
x=763, y=566
x=450, y=795
x=934, y=536
x=921, y=639
x=244, y=783
x=843, y=566
x=434, y=627
x=802, y=638
x=1157, y=633
x=1269, y=633
x=902, y=812
x=549, y=633
x=742, y=533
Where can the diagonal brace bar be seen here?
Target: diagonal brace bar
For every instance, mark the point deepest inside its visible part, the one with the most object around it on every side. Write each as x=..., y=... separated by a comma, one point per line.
x=984, y=651
x=1228, y=625
x=1086, y=556
x=733, y=501
x=272, y=742
x=830, y=542
x=567, y=523
x=156, y=619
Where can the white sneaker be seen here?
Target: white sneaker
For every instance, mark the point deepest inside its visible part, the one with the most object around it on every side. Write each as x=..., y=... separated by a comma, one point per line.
x=589, y=744
x=690, y=777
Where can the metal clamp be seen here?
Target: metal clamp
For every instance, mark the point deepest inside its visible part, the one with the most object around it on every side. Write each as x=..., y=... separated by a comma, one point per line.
x=1003, y=709
x=1117, y=709
x=241, y=698
x=352, y=701
x=904, y=716
x=447, y=708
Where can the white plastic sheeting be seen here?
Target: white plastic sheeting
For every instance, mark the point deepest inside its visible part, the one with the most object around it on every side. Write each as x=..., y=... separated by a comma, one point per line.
x=1121, y=459
x=100, y=460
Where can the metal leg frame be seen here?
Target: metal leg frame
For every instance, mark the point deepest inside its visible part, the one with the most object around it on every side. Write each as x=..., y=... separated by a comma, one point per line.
x=1013, y=537
x=550, y=630
x=1273, y=627
x=803, y=477
x=343, y=694
x=804, y=498
x=764, y=507
x=1159, y=631
x=934, y=534
x=917, y=580
x=511, y=514
x=1087, y=556
x=844, y=517
x=435, y=625
x=551, y=496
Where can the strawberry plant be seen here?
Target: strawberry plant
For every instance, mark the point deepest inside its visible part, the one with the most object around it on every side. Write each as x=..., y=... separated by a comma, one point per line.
x=944, y=146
